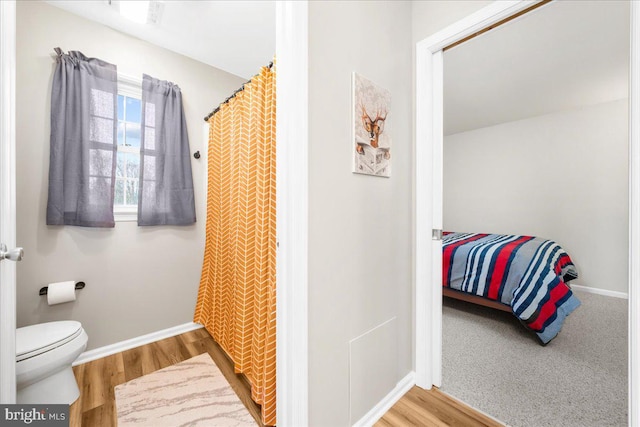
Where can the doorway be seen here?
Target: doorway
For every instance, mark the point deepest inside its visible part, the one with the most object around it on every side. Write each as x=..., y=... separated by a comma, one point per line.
x=291, y=42
x=429, y=139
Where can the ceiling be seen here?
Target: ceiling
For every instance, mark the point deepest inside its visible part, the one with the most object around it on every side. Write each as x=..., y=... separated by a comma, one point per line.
x=235, y=36
x=561, y=56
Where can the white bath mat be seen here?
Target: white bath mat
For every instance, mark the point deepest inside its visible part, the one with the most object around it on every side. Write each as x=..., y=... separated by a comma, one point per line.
x=190, y=393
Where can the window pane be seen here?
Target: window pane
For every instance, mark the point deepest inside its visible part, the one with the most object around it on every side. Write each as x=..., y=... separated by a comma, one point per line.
x=132, y=192
x=119, y=200
x=120, y=107
x=149, y=138
x=133, y=110
x=100, y=162
x=101, y=130
x=101, y=104
x=120, y=165
x=149, y=168
x=133, y=134
x=150, y=114
x=99, y=190
x=133, y=165
x=121, y=140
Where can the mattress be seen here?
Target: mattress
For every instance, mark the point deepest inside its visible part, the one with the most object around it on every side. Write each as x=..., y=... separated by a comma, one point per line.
x=527, y=273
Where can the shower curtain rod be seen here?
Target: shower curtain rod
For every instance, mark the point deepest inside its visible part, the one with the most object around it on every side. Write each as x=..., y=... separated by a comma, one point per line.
x=206, y=119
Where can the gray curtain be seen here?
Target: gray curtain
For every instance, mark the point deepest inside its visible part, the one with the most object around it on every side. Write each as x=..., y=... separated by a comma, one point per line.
x=165, y=196
x=83, y=141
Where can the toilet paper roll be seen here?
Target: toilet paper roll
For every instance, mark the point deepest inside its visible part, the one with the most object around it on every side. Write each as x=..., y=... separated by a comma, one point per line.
x=60, y=292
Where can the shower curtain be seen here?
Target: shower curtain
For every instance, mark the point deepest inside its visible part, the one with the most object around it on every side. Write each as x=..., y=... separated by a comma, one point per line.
x=237, y=296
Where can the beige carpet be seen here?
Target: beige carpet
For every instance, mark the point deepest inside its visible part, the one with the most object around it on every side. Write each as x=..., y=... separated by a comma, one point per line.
x=190, y=393
x=491, y=362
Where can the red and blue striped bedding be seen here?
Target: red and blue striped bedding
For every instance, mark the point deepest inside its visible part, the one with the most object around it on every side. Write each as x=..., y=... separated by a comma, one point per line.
x=527, y=273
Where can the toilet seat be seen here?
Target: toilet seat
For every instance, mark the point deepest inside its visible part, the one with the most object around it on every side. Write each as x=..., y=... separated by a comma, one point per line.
x=37, y=339
x=44, y=356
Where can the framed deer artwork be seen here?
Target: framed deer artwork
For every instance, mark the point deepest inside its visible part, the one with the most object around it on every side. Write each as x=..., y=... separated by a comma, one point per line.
x=371, y=128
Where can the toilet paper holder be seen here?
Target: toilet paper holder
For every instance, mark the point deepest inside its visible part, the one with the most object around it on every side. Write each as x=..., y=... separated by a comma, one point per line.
x=45, y=289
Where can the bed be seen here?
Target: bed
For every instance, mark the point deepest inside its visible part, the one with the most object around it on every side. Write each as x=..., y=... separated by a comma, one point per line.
x=524, y=275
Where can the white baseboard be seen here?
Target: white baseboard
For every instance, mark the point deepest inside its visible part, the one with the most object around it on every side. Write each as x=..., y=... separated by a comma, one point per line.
x=110, y=349
x=403, y=386
x=599, y=291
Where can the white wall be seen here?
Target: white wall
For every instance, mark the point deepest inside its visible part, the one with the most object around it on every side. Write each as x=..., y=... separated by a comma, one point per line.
x=561, y=176
x=139, y=280
x=429, y=17
x=359, y=226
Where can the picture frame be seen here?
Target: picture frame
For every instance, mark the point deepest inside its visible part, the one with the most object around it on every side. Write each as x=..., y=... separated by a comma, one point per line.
x=371, y=121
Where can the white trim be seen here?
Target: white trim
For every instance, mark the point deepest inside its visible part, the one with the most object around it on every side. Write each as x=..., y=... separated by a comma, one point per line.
x=427, y=110
x=634, y=217
x=108, y=350
x=8, y=199
x=130, y=86
x=128, y=149
x=599, y=291
x=423, y=217
x=292, y=141
x=436, y=212
x=483, y=18
x=125, y=213
x=378, y=411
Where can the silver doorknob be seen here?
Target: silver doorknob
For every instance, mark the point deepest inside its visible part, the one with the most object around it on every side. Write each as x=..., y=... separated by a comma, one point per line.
x=15, y=254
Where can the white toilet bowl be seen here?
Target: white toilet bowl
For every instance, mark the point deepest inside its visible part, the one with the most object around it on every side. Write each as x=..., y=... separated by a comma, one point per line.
x=44, y=354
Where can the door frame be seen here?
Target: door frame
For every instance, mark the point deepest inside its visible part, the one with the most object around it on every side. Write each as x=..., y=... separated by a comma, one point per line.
x=292, y=140
x=7, y=200
x=428, y=215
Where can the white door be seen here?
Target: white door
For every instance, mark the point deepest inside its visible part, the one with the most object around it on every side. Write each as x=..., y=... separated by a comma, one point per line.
x=436, y=206
x=428, y=226
x=7, y=204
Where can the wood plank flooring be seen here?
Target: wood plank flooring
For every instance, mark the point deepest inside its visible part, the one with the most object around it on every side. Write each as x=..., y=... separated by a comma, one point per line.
x=96, y=406
x=433, y=408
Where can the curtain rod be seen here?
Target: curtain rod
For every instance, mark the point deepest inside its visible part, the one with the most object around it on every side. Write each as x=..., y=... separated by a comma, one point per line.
x=206, y=119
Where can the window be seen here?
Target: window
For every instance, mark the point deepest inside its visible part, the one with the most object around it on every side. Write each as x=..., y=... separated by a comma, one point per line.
x=128, y=157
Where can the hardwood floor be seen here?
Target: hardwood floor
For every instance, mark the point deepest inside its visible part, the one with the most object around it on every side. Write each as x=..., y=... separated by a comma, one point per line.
x=96, y=406
x=429, y=408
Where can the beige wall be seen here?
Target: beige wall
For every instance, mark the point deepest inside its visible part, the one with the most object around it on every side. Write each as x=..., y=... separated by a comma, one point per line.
x=430, y=16
x=139, y=280
x=561, y=176
x=359, y=226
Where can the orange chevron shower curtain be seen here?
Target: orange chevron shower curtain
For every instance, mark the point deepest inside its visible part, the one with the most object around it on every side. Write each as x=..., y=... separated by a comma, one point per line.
x=237, y=296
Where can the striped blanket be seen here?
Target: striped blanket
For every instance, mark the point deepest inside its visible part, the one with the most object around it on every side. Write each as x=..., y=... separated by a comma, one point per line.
x=527, y=273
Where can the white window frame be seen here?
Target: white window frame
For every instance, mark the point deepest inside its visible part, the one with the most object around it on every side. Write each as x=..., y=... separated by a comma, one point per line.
x=131, y=87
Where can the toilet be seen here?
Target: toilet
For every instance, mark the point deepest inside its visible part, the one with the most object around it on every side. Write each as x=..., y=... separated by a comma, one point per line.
x=44, y=354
